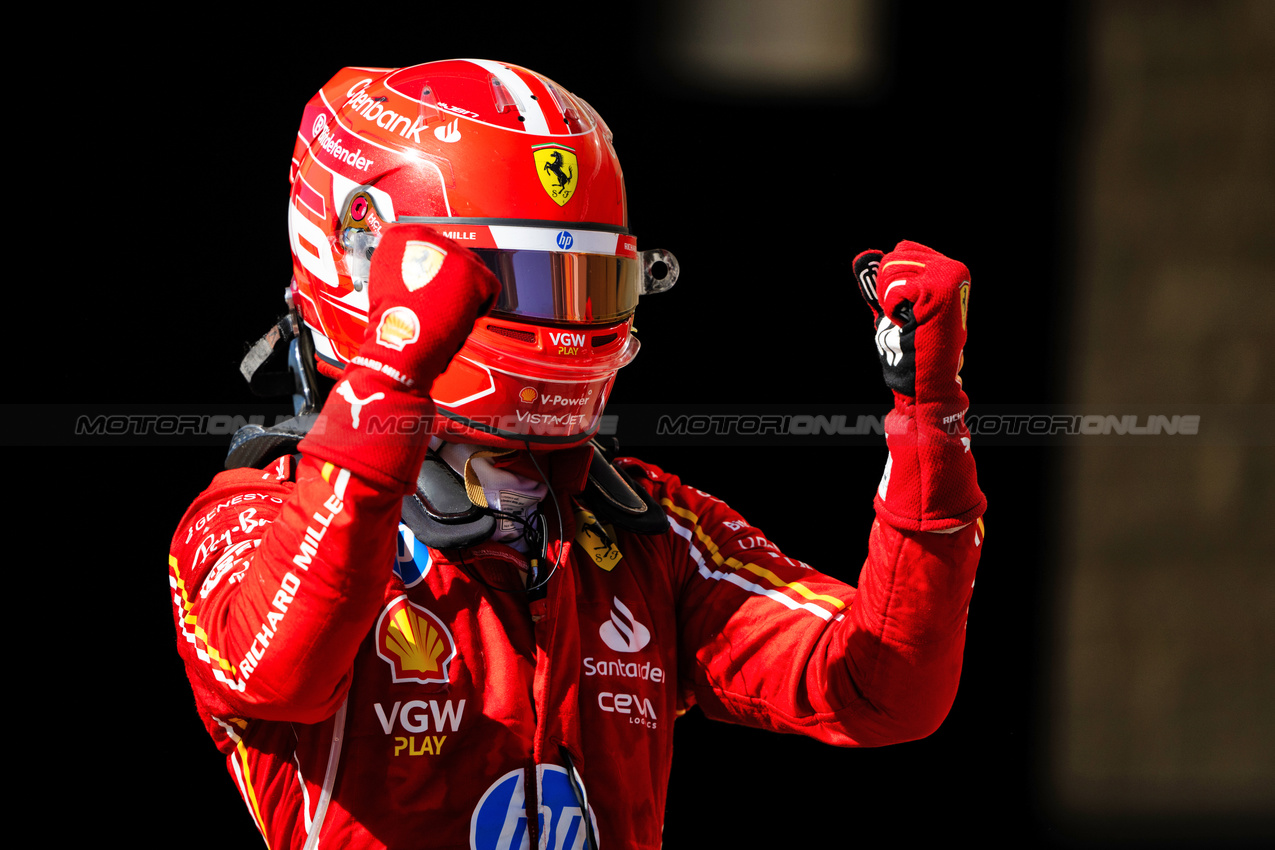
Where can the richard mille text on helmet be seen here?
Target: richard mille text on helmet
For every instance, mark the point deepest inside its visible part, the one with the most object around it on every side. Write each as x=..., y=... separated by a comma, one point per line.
x=428, y=611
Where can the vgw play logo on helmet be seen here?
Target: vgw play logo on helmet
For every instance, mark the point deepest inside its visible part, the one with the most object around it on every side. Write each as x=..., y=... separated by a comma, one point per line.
x=500, y=820
x=558, y=171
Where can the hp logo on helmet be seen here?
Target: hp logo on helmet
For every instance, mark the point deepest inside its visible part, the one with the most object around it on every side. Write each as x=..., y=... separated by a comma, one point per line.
x=564, y=239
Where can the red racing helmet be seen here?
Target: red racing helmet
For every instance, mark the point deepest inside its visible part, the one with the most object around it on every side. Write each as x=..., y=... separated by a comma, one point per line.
x=509, y=164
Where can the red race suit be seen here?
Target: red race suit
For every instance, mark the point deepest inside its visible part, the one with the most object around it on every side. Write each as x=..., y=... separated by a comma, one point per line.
x=368, y=691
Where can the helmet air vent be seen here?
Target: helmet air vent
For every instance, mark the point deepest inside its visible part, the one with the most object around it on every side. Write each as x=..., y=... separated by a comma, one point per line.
x=603, y=339
x=428, y=104
x=570, y=116
x=504, y=98
x=513, y=333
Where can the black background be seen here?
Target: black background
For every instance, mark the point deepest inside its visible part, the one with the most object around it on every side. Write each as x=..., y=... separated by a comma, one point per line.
x=170, y=241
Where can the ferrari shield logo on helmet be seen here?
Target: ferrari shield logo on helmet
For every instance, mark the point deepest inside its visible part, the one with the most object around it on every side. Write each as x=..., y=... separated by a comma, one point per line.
x=965, y=301
x=557, y=168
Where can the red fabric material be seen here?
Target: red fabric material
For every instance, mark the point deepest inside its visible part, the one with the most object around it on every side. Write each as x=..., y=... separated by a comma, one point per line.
x=931, y=481
x=279, y=606
x=445, y=301
x=711, y=613
x=386, y=444
x=378, y=419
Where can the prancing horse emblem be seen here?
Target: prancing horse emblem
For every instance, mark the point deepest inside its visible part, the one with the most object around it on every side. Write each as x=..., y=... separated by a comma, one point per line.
x=554, y=166
x=557, y=168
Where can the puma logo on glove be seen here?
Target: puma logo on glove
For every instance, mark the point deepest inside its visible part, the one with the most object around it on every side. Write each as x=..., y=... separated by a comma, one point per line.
x=356, y=404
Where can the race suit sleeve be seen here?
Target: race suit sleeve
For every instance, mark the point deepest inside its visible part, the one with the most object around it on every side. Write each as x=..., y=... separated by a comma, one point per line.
x=767, y=641
x=276, y=582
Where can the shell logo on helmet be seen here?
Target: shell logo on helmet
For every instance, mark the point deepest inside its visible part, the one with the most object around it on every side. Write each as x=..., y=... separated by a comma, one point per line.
x=525, y=175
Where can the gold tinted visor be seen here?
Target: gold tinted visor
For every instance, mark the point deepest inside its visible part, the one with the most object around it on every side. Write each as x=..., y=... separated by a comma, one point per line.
x=564, y=287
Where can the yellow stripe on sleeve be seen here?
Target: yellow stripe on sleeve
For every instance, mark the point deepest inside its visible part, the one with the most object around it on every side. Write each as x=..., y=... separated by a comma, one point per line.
x=190, y=620
x=252, y=796
x=736, y=565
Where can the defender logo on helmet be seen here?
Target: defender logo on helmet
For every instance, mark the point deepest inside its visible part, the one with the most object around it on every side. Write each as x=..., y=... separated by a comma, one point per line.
x=556, y=166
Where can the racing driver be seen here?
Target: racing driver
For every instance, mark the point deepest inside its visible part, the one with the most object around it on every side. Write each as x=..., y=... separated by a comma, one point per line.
x=430, y=611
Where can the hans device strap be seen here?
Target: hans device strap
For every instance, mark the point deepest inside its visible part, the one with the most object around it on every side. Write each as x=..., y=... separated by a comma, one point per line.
x=614, y=497
x=440, y=513
x=256, y=446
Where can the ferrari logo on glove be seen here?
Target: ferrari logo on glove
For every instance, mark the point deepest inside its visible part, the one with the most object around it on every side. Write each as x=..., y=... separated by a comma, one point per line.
x=421, y=261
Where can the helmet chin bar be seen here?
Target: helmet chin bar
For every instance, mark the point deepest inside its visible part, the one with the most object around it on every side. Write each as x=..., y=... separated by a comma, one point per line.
x=659, y=270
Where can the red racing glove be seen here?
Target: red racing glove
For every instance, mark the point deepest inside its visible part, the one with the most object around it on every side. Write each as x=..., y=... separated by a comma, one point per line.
x=919, y=300
x=425, y=292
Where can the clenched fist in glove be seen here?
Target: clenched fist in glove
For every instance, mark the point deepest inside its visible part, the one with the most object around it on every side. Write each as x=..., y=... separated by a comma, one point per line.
x=425, y=293
x=919, y=300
